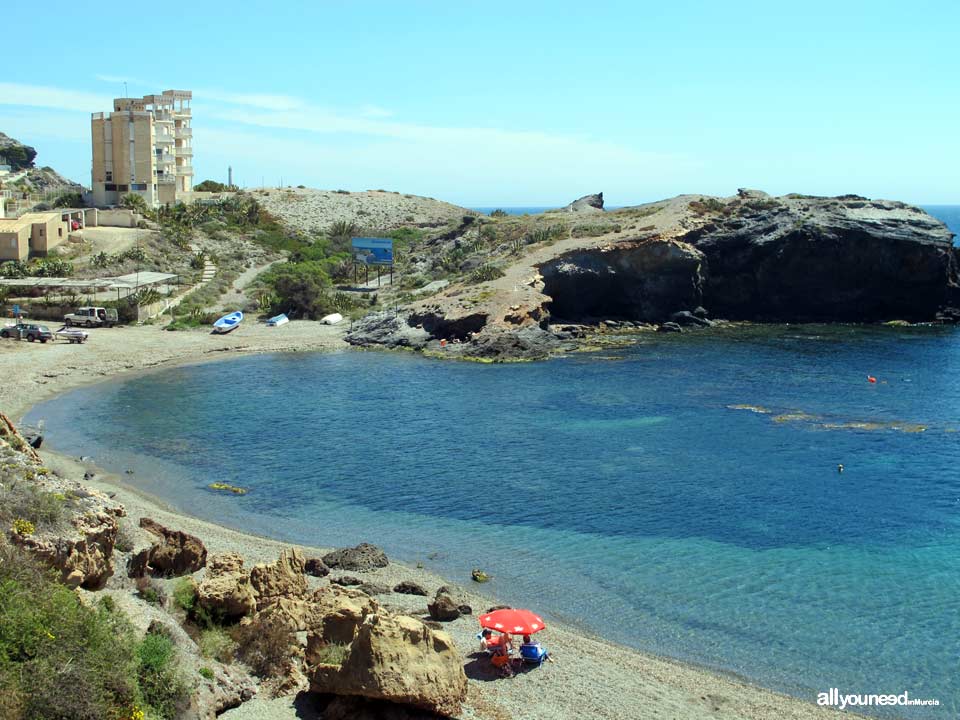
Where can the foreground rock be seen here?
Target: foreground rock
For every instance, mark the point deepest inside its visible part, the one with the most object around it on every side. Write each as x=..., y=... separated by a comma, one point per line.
x=401, y=660
x=226, y=591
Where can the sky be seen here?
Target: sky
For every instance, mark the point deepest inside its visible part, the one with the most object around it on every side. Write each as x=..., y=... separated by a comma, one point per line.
x=516, y=104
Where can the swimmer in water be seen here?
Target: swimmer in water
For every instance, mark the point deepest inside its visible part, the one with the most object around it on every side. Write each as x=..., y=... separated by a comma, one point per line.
x=840, y=469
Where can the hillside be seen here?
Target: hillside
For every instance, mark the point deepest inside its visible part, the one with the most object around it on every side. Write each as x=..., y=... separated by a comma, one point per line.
x=25, y=175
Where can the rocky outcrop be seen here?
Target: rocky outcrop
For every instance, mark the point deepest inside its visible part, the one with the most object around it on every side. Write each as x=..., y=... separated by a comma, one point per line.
x=400, y=660
x=282, y=579
x=176, y=553
x=225, y=591
x=388, y=330
x=408, y=587
x=362, y=558
x=445, y=606
x=643, y=280
x=801, y=258
x=229, y=688
x=586, y=204
x=316, y=567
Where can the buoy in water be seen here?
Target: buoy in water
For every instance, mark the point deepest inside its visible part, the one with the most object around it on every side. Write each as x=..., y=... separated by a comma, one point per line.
x=871, y=379
x=840, y=469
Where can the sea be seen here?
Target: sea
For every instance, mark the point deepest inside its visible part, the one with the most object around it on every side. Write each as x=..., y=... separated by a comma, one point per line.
x=680, y=494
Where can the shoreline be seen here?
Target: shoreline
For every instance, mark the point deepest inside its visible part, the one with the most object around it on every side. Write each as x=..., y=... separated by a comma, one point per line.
x=618, y=681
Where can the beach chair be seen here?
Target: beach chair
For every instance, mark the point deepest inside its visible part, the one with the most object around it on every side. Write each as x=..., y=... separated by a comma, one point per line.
x=492, y=643
x=533, y=653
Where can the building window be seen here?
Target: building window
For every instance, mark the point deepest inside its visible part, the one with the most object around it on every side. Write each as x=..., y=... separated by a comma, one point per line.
x=110, y=187
x=122, y=188
x=60, y=232
x=138, y=186
x=109, y=175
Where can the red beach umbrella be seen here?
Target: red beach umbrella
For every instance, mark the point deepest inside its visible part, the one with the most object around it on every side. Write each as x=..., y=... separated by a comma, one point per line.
x=512, y=621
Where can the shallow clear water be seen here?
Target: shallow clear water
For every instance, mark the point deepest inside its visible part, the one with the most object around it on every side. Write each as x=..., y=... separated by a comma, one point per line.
x=680, y=495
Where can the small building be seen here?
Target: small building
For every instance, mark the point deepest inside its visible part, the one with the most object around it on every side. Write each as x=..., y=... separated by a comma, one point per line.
x=35, y=233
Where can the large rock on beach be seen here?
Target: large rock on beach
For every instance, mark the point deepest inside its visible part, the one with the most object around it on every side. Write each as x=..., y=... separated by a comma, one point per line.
x=362, y=558
x=282, y=579
x=444, y=606
x=400, y=660
x=175, y=553
x=226, y=591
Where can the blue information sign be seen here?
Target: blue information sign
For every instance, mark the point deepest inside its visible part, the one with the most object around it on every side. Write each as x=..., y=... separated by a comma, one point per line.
x=373, y=251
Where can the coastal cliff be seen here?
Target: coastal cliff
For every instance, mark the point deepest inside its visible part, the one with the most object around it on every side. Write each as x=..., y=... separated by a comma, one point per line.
x=750, y=257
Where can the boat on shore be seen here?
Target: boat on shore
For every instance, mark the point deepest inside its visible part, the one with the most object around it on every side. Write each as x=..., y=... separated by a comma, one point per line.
x=331, y=319
x=227, y=323
x=278, y=320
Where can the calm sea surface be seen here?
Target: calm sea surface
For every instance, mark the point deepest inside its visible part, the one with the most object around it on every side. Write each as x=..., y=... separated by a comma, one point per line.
x=680, y=495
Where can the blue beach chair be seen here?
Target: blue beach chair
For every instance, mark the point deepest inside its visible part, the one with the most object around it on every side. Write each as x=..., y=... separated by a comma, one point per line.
x=533, y=653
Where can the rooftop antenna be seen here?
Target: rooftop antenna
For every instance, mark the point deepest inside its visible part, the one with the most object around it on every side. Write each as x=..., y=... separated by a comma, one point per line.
x=230, y=176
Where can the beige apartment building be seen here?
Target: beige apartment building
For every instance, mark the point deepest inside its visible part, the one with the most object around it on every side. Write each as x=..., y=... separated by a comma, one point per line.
x=145, y=147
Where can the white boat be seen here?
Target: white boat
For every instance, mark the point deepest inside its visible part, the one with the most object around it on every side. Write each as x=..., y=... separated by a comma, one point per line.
x=331, y=319
x=278, y=320
x=228, y=322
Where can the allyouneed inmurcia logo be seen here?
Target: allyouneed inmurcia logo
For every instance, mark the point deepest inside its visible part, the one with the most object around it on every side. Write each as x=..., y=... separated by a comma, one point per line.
x=834, y=698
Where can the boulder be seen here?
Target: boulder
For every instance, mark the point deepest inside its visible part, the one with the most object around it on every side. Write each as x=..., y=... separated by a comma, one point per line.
x=229, y=688
x=687, y=318
x=346, y=581
x=176, y=553
x=444, y=606
x=408, y=587
x=669, y=327
x=361, y=558
x=400, y=660
x=374, y=588
x=283, y=579
x=389, y=329
x=226, y=591
x=343, y=707
x=316, y=567
x=336, y=615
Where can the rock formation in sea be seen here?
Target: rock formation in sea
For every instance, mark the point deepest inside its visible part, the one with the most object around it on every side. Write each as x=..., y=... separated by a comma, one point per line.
x=679, y=262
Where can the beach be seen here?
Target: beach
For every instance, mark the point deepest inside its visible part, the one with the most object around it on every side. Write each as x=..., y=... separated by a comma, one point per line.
x=589, y=678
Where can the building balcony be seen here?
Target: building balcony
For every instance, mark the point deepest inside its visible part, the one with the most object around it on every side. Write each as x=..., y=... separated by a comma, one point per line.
x=183, y=132
x=164, y=158
x=159, y=139
x=166, y=179
x=184, y=151
x=184, y=169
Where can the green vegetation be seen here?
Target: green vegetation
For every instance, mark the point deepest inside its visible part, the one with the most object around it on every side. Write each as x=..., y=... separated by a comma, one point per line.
x=709, y=205
x=485, y=273
x=332, y=654
x=185, y=594
x=206, y=673
x=61, y=659
x=134, y=202
x=25, y=508
x=160, y=682
x=39, y=267
x=215, y=642
x=594, y=230
x=18, y=156
x=69, y=200
x=213, y=186
x=264, y=645
x=498, y=213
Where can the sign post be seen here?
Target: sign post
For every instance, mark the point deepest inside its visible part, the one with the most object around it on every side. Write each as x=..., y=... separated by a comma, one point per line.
x=372, y=251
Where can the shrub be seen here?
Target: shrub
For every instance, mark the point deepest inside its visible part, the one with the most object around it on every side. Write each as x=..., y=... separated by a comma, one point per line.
x=331, y=654
x=485, y=273
x=498, y=213
x=185, y=594
x=58, y=658
x=28, y=508
x=215, y=642
x=206, y=673
x=150, y=590
x=264, y=645
x=126, y=540
x=23, y=527
x=160, y=682
x=134, y=202
x=69, y=200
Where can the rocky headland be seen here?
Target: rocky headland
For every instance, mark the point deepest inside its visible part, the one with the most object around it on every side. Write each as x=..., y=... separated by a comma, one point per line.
x=684, y=263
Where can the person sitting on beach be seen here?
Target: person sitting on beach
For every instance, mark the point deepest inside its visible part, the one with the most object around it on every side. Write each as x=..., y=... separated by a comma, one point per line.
x=533, y=650
x=487, y=641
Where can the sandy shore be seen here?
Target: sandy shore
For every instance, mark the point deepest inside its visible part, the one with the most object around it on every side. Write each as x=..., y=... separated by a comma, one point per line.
x=591, y=678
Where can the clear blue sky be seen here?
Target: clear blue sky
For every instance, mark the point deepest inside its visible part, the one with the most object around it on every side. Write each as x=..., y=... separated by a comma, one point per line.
x=520, y=103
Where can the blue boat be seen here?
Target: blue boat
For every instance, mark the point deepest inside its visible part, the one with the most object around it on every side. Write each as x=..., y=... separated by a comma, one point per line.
x=227, y=322
x=278, y=320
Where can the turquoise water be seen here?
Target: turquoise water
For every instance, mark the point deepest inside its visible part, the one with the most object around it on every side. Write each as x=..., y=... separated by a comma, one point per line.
x=680, y=495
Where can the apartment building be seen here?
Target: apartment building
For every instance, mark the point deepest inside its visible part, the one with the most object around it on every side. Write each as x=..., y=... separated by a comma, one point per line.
x=145, y=147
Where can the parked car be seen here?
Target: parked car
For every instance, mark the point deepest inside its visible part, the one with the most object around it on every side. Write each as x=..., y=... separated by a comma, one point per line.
x=92, y=316
x=27, y=331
